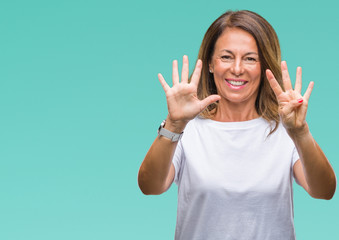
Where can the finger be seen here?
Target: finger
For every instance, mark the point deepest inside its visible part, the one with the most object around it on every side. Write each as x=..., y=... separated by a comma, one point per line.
x=208, y=101
x=308, y=91
x=185, y=69
x=197, y=72
x=175, y=73
x=297, y=86
x=163, y=82
x=286, y=76
x=273, y=83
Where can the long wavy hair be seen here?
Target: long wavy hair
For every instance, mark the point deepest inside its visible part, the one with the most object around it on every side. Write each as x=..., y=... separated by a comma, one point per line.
x=266, y=103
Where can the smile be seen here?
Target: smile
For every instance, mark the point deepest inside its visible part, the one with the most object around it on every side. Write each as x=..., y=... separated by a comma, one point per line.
x=236, y=83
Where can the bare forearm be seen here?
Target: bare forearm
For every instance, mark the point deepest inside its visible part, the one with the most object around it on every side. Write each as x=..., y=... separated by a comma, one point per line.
x=154, y=174
x=318, y=172
x=155, y=168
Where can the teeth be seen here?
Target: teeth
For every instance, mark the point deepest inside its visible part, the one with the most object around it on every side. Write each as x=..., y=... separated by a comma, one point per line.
x=236, y=83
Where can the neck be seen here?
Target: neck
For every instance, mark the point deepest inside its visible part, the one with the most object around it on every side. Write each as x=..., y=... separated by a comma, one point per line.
x=235, y=112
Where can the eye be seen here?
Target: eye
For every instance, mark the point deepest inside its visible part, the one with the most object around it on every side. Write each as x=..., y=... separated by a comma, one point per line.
x=226, y=57
x=250, y=59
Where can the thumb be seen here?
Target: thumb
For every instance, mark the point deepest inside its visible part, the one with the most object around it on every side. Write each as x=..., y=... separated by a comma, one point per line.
x=293, y=104
x=208, y=101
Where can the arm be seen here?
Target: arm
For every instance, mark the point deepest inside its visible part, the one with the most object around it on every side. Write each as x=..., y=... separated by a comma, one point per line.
x=313, y=172
x=156, y=173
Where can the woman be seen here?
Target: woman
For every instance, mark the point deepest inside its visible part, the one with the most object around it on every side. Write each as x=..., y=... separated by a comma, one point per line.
x=245, y=138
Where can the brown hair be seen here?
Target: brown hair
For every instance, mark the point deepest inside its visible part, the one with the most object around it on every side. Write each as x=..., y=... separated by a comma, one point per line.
x=267, y=41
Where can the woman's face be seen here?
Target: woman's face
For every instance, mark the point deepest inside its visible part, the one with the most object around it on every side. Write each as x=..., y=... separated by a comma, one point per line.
x=236, y=67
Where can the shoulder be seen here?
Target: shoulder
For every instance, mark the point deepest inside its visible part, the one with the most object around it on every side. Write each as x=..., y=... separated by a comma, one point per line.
x=195, y=123
x=281, y=136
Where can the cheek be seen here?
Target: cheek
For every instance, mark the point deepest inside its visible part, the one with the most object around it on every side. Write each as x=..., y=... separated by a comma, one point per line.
x=220, y=68
x=256, y=72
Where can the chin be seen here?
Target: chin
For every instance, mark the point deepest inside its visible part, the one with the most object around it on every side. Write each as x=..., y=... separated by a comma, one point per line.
x=237, y=99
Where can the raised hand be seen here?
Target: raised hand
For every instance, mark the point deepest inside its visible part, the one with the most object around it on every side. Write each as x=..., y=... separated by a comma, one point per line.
x=182, y=101
x=292, y=105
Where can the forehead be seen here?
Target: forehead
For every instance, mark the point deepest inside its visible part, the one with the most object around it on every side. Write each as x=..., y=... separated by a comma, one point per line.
x=236, y=40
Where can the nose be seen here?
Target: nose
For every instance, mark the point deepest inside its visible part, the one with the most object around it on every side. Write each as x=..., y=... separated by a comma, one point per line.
x=237, y=67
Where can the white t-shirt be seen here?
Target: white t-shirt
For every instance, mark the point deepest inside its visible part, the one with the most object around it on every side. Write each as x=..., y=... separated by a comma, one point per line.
x=234, y=182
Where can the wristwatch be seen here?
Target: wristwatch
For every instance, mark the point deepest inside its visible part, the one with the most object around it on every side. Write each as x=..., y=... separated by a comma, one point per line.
x=168, y=134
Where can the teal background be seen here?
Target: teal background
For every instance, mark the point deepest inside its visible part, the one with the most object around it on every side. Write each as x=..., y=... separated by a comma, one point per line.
x=80, y=104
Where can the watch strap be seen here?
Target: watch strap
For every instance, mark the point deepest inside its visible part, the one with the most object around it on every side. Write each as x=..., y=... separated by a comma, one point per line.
x=174, y=137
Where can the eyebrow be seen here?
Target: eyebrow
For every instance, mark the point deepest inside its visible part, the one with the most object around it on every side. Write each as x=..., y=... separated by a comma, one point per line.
x=229, y=51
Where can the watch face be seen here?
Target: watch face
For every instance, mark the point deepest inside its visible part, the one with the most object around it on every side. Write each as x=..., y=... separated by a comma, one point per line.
x=161, y=125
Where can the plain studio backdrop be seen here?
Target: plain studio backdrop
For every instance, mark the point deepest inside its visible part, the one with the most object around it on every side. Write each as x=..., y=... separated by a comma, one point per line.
x=80, y=104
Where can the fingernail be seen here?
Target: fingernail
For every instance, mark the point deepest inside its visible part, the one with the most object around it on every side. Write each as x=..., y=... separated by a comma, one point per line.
x=300, y=100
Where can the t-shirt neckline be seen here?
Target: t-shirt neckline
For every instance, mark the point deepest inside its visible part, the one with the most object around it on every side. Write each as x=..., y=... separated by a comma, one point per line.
x=233, y=125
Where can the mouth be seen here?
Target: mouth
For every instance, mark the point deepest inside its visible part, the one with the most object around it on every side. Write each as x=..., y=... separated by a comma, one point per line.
x=236, y=83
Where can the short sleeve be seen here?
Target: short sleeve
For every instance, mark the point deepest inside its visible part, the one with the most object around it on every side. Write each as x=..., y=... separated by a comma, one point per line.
x=295, y=156
x=177, y=161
